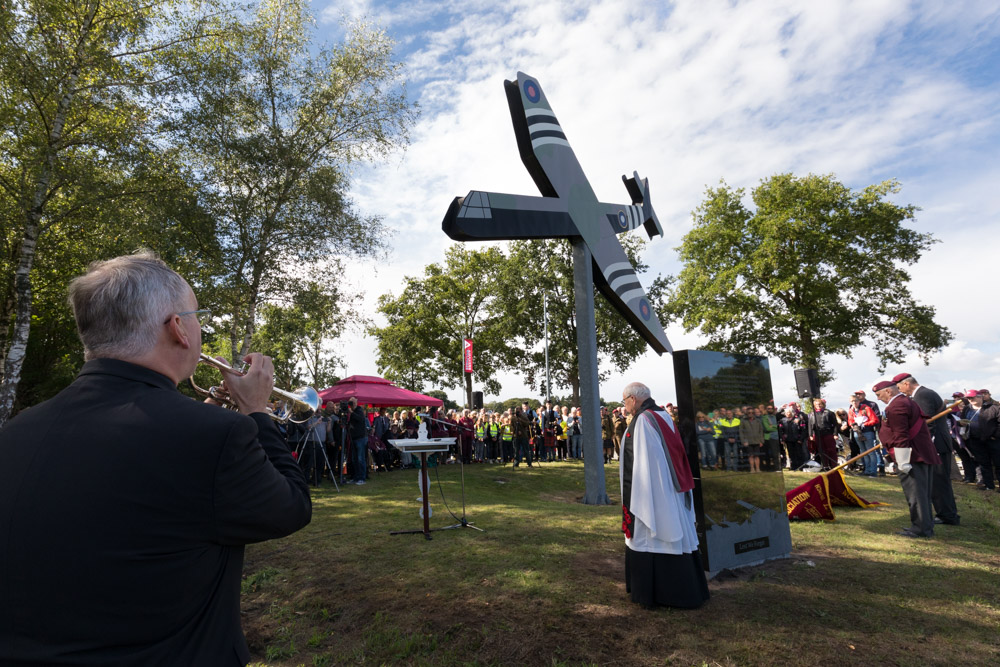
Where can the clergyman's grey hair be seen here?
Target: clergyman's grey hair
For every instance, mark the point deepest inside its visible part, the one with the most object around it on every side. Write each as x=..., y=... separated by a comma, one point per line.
x=120, y=304
x=637, y=389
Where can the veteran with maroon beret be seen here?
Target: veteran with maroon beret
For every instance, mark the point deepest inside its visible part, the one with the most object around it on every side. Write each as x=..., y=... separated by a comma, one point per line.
x=905, y=436
x=931, y=404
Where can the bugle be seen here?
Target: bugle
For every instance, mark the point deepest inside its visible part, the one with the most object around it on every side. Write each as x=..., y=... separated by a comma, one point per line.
x=302, y=404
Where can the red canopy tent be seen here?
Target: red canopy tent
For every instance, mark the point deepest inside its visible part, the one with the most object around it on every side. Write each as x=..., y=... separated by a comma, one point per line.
x=377, y=392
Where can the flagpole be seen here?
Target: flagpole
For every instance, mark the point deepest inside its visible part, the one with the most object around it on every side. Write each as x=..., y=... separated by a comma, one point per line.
x=879, y=446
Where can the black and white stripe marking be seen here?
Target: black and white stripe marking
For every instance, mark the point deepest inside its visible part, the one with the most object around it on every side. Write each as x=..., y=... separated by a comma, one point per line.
x=543, y=128
x=621, y=278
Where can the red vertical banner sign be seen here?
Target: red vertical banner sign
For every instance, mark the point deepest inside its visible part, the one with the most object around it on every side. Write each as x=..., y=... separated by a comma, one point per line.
x=467, y=354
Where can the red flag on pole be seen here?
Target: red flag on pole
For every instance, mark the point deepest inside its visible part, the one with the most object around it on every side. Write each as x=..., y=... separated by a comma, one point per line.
x=467, y=354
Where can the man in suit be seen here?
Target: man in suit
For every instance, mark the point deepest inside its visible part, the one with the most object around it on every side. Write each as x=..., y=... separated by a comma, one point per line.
x=931, y=403
x=904, y=434
x=124, y=505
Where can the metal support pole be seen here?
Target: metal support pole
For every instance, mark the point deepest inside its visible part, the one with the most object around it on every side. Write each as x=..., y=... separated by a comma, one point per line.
x=590, y=403
x=545, y=325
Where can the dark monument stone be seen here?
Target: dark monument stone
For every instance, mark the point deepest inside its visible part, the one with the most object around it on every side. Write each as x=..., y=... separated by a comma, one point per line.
x=741, y=515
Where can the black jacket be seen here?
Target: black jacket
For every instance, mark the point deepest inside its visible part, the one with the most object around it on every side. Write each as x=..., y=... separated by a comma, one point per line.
x=124, y=510
x=930, y=403
x=358, y=423
x=988, y=422
x=821, y=423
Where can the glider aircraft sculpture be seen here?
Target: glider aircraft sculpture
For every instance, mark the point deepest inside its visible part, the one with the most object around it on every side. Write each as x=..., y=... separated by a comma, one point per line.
x=568, y=208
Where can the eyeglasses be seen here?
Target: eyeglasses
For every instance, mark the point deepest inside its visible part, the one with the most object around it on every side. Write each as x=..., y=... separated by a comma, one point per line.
x=203, y=315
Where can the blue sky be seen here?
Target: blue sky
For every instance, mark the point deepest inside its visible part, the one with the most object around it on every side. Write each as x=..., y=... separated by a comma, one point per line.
x=695, y=92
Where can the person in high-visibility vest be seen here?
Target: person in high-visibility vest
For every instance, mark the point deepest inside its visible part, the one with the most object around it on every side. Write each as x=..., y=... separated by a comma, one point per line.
x=562, y=439
x=493, y=438
x=730, y=426
x=507, y=437
x=480, y=442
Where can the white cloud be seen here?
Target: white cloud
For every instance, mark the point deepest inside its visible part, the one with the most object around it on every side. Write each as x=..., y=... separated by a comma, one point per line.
x=703, y=91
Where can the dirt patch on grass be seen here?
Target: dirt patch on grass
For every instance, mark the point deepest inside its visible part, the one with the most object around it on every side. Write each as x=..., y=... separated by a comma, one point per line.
x=563, y=497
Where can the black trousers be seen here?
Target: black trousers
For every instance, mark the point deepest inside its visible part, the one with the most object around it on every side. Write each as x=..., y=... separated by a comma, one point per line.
x=942, y=495
x=917, y=489
x=988, y=457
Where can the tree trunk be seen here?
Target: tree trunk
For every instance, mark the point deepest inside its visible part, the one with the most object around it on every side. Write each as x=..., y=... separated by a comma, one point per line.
x=14, y=360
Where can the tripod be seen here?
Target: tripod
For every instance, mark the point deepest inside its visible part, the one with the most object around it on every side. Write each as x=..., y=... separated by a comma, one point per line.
x=463, y=522
x=312, y=441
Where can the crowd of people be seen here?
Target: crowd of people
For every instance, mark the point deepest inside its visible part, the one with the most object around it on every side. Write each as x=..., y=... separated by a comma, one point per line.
x=739, y=438
x=346, y=440
x=764, y=437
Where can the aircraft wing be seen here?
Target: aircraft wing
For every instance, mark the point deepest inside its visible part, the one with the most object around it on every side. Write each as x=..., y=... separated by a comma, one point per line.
x=491, y=216
x=616, y=279
x=568, y=208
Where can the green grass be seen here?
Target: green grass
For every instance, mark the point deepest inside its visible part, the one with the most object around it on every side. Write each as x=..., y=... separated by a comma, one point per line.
x=543, y=585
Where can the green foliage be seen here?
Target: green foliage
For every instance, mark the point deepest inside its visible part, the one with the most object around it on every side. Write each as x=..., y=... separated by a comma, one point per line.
x=510, y=404
x=272, y=124
x=448, y=403
x=296, y=335
x=538, y=268
x=80, y=178
x=815, y=270
x=422, y=342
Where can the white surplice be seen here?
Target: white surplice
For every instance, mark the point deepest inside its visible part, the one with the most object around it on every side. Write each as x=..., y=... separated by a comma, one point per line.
x=663, y=524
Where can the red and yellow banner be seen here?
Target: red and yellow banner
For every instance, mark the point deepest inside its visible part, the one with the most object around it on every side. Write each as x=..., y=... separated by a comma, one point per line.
x=815, y=499
x=810, y=500
x=841, y=494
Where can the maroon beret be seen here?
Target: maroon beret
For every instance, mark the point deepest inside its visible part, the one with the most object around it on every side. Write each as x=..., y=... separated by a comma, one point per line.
x=900, y=377
x=884, y=384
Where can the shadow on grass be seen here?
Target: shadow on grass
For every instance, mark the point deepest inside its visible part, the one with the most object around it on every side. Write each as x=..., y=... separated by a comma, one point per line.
x=543, y=586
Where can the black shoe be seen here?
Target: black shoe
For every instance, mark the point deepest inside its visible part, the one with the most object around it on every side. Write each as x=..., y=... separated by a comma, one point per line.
x=908, y=533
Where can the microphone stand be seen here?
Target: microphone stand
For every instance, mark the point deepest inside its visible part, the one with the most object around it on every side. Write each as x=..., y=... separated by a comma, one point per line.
x=463, y=522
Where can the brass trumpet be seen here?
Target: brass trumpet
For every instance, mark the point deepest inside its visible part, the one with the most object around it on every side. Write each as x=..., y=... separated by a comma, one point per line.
x=303, y=402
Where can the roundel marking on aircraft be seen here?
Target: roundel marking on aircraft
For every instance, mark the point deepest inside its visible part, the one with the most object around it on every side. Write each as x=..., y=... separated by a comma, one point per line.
x=532, y=91
x=644, y=309
x=622, y=220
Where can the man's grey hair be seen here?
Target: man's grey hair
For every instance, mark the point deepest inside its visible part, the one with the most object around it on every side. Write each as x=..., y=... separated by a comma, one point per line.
x=638, y=390
x=120, y=304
